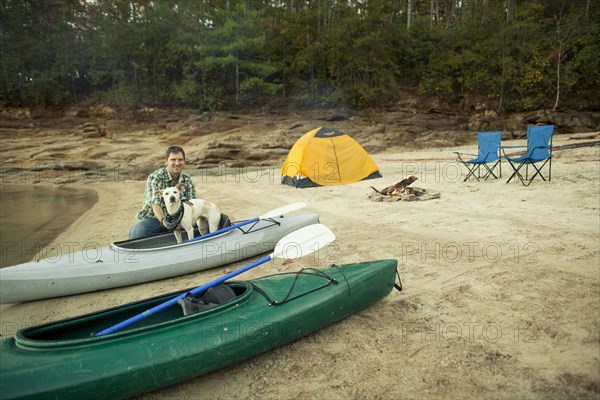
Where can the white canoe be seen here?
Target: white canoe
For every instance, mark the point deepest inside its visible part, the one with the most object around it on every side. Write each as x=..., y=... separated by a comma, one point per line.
x=142, y=260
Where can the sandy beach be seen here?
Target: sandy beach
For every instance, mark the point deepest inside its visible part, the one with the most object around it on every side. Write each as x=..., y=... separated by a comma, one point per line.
x=501, y=294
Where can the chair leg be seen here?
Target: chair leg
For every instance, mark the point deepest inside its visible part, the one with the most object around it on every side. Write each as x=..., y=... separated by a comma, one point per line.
x=538, y=171
x=517, y=173
x=500, y=167
x=514, y=171
x=470, y=168
x=520, y=176
x=491, y=171
x=472, y=173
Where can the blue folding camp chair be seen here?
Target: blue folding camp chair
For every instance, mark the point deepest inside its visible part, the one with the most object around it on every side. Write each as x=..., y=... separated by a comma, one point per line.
x=489, y=152
x=539, y=153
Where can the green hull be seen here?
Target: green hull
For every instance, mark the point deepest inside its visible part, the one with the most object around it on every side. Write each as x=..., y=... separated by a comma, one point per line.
x=64, y=360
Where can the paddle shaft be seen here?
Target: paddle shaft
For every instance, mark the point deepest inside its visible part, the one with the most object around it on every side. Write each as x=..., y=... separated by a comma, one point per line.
x=174, y=300
x=276, y=212
x=223, y=230
x=303, y=239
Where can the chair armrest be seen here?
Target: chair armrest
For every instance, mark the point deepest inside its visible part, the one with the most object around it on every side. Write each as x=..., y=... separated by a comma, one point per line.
x=465, y=154
x=503, y=149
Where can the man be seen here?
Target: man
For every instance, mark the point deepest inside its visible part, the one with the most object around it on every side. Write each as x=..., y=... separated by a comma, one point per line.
x=151, y=216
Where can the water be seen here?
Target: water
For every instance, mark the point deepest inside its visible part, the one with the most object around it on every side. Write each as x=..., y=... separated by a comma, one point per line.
x=31, y=217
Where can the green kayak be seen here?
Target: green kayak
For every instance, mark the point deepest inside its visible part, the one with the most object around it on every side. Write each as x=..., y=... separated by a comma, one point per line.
x=224, y=325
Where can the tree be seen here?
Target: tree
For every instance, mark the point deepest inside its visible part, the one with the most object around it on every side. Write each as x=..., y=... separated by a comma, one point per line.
x=520, y=54
x=232, y=59
x=568, y=31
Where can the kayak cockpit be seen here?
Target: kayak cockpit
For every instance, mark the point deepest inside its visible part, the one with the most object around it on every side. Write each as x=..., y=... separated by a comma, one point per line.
x=168, y=239
x=81, y=330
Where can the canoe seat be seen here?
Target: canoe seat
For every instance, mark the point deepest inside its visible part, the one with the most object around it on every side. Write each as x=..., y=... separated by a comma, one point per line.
x=213, y=297
x=224, y=222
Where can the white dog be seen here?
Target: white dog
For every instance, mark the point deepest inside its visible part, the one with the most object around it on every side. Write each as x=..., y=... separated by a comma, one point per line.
x=198, y=212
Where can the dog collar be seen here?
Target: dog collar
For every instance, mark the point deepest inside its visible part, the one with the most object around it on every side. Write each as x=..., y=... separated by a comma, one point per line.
x=171, y=221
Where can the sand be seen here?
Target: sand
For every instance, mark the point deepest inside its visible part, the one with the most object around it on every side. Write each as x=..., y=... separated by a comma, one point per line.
x=501, y=283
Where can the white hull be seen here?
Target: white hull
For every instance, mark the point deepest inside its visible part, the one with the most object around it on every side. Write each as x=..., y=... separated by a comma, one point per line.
x=142, y=260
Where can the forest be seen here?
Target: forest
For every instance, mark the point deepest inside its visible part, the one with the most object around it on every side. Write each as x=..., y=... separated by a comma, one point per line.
x=508, y=55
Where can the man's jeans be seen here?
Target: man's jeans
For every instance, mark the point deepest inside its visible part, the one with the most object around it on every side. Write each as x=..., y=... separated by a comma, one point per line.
x=146, y=227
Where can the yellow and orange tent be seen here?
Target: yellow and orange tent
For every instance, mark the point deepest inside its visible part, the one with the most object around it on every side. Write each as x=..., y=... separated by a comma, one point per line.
x=325, y=157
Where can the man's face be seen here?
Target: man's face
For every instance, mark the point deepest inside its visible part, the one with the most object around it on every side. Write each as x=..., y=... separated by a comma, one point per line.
x=175, y=163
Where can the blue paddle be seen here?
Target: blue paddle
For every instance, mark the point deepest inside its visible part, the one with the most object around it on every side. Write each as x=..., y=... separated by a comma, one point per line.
x=294, y=245
x=271, y=214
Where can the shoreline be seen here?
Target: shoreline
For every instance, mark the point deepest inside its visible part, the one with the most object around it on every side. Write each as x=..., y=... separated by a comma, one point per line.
x=34, y=216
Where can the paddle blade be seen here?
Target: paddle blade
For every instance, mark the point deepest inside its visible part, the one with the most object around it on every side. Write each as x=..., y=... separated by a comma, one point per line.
x=303, y=241
x=283, y=210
